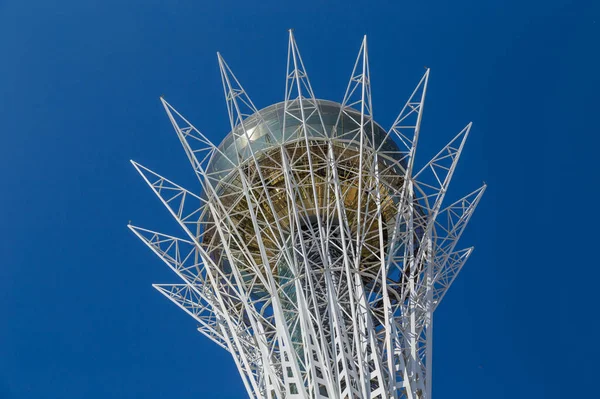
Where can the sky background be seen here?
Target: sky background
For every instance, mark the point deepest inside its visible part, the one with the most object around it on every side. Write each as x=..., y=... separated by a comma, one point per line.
x=79, y=97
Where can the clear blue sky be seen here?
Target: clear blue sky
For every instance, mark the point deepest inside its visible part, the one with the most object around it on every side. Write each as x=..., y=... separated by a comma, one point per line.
x=79, y=96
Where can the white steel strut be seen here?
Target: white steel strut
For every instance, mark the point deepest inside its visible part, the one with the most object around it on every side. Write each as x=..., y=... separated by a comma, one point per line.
x=315, y=255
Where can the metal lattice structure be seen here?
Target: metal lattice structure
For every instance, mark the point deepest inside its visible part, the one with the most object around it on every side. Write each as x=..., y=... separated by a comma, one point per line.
x=316, y=252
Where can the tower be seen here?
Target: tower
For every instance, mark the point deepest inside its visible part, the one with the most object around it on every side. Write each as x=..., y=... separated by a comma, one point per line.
x=316, y=251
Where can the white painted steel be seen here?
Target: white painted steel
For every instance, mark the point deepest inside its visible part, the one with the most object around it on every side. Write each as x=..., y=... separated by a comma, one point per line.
x=318, y=259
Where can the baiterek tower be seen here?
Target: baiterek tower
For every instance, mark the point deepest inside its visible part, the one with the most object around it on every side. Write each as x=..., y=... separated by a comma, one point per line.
x=316, y=251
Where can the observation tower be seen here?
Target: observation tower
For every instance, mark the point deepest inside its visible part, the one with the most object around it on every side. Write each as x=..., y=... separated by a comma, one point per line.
x=316, y=250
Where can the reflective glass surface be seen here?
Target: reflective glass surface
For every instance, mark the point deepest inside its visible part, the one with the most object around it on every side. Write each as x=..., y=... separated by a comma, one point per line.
x=268, y=132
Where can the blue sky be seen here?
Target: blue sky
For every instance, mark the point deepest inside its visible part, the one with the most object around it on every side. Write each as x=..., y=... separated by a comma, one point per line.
x=79, y=96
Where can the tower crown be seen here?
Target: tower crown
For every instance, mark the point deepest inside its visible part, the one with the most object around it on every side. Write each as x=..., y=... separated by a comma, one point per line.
x=315, y=255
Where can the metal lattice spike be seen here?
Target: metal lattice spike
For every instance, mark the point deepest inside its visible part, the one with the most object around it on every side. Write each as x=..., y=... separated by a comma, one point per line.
x=314, y=256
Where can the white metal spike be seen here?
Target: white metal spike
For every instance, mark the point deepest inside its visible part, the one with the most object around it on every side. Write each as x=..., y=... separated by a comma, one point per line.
x=186, y=297
x=434, y=178
x=407, y=125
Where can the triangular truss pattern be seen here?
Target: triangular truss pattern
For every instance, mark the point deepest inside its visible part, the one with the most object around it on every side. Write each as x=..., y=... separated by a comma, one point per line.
x=314, y=255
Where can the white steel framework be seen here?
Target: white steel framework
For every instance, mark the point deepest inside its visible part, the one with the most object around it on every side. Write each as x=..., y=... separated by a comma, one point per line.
x=316, y=253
